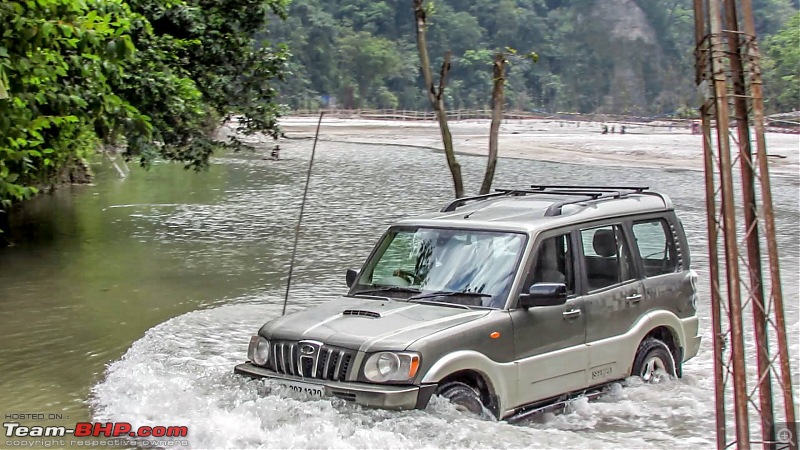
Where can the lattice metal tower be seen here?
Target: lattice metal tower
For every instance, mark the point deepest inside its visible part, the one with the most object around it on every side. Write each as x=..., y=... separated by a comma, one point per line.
x=741, y=237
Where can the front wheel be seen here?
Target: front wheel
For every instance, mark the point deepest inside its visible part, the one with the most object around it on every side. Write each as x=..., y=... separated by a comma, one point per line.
x=465, y=397
x=654, y=361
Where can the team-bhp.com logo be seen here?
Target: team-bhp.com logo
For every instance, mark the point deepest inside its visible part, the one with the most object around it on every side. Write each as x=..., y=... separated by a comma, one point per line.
x=88, y=429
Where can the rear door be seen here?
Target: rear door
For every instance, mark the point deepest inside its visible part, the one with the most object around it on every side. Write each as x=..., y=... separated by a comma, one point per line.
x=667, y=284
x=612, y=301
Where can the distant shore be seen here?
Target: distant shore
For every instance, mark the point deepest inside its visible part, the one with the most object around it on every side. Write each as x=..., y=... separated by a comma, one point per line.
x=642, y=145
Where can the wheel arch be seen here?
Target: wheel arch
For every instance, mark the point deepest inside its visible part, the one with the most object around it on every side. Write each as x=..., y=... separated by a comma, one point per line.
x=478, y=381
x=478, y=371
x=665, y=327
x=660, y=323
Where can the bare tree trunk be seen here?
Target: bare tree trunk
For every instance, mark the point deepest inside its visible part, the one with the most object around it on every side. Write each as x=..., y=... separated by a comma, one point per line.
x=499, y=69
x=436, y=96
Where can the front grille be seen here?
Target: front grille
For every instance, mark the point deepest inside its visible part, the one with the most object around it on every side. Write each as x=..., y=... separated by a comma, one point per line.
x=331, y=363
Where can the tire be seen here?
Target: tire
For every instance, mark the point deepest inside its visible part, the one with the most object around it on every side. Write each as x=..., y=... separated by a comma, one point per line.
x=465, y=397
x=652, y=357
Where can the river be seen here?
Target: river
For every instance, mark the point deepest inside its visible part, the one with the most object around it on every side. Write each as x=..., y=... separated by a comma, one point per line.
x=133, y=299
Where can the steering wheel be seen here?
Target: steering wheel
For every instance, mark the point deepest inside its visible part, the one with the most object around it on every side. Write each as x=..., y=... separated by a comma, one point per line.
x=410, y=277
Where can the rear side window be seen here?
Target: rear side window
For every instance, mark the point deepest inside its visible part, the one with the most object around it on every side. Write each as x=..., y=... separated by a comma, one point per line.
x=656, y=246
x=606, y=256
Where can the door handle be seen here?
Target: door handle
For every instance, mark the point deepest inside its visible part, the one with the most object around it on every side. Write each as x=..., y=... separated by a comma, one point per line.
x=634, y=298
x=571, y=314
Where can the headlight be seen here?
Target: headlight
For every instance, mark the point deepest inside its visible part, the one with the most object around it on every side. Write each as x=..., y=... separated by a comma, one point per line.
x=390, y=366
x=258, y=352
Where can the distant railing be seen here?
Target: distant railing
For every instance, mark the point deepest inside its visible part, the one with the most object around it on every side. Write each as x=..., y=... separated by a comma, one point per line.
x=486, y=114
x=631, y=122
x=403, y=114
x=479, y=114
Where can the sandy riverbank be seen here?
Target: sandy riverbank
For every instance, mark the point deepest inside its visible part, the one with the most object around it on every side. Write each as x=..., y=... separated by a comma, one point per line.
x=544, y=140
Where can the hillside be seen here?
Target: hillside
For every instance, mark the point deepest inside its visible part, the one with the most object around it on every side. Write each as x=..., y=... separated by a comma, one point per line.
x=596, y=56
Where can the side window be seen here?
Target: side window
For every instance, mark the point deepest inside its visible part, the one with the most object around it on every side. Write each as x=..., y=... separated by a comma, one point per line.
x=553, y=263
x=656, y=246
x=607, y=258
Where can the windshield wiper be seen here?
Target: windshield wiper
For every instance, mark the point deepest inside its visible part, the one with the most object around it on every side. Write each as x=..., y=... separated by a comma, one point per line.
x=435, y=303
x=389, y=289
x=448, y=294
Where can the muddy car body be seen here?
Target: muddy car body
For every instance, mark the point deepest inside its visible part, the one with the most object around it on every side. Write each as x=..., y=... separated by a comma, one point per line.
x=504, y=302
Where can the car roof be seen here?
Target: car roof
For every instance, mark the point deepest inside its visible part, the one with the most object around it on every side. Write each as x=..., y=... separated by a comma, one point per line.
x=542, y=207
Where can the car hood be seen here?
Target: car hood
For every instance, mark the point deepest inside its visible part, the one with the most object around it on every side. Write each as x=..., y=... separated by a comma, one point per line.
x=368, y=324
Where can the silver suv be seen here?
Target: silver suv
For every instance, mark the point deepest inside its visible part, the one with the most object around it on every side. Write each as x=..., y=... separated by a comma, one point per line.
x=508, y=303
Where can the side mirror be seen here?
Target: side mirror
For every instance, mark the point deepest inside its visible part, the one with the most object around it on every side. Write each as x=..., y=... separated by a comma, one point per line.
x=351, y=276
x=544, y=294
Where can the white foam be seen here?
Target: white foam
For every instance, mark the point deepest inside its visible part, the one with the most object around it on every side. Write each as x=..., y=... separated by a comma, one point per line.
x=180, y=373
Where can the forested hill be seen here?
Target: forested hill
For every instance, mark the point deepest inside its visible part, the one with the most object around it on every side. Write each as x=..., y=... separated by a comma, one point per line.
x=596, y=56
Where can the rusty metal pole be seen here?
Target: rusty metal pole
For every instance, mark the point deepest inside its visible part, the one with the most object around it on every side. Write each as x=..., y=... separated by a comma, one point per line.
x=769, y=216
x=718, y=58
x=718, y=338
x=764, y=379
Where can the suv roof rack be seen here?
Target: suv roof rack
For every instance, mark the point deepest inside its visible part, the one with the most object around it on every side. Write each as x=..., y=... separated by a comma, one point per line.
x=590, y=193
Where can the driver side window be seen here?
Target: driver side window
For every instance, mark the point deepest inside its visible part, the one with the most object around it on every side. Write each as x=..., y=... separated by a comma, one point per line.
x=553, y=263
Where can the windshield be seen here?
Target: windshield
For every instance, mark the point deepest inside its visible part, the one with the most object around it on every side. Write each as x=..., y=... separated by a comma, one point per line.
x=472, y=267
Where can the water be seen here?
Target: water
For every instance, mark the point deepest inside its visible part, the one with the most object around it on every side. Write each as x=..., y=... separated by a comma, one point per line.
x=132, y=300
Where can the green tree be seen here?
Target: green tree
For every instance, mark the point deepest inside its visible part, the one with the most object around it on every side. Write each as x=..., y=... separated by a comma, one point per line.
x=782, y=67
x=155, y=77
x=369, y=61
x=201, y=65
x=59, y=63
x=588, y=62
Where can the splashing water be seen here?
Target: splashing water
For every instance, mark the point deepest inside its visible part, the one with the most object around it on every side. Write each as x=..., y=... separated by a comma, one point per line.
x=180, y=373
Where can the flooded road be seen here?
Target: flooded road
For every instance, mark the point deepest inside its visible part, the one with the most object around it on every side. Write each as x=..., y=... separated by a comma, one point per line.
x=134, y=298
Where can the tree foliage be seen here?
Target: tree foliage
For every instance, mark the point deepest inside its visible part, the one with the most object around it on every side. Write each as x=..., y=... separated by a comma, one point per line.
x=593, y=57
x=782, y=67
x=155, y=77
x=59, y=63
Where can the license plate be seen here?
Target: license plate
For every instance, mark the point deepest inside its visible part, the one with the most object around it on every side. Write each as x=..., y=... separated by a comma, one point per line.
x=312, y=390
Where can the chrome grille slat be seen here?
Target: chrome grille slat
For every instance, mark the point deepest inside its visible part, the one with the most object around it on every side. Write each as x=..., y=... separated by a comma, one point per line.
x=294, y=369
x=327, y=363
x=345, y=367
x=338, y=365
x=283, y=357
x=274, y=359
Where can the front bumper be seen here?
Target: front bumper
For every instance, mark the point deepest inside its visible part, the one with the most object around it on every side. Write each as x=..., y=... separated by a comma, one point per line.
x=374, y=395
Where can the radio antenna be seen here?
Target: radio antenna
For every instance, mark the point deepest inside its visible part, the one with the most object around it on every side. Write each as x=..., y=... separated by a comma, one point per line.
x=300, y=219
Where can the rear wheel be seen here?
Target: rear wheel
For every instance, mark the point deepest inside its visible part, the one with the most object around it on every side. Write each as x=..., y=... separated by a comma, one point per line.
x=654, y=362
x=465, y=397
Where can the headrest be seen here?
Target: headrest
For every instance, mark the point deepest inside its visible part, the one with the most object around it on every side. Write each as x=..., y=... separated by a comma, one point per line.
x=547, y=256
x=605, y=243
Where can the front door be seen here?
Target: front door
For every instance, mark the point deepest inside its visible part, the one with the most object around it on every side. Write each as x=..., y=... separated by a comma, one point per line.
x=549, y=341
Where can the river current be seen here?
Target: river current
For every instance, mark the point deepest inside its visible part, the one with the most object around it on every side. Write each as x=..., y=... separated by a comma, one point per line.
x=132, y=300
